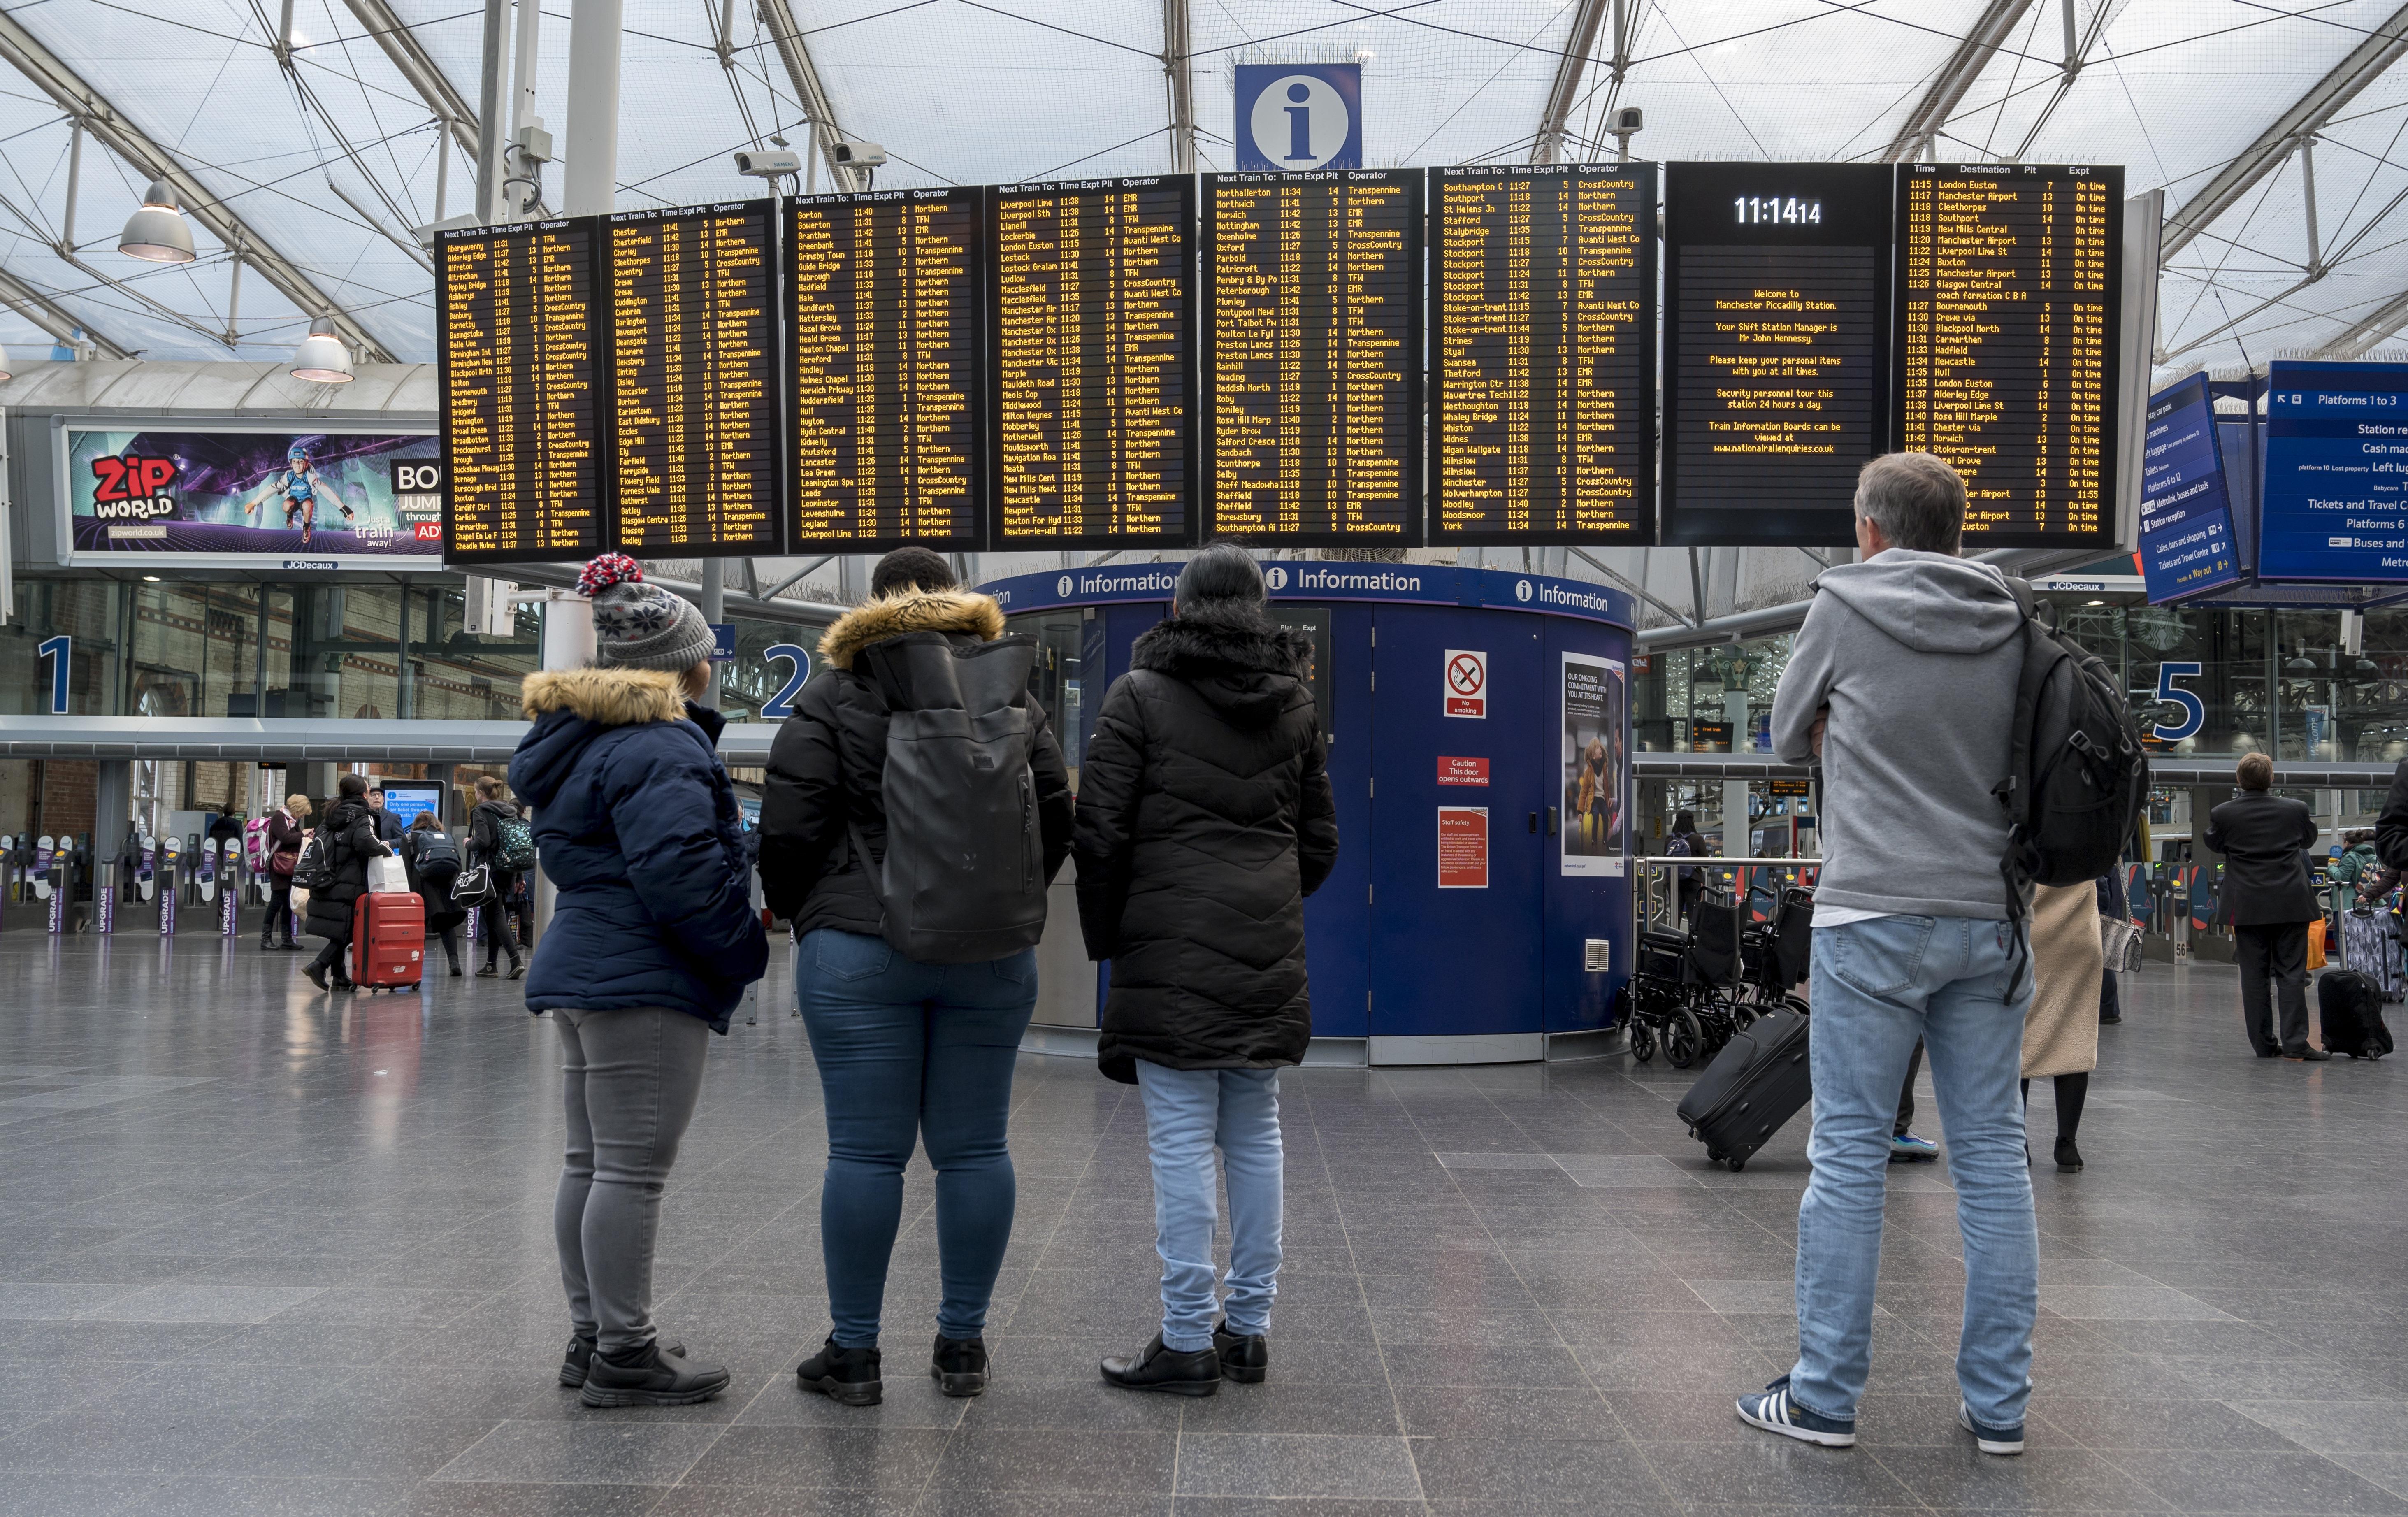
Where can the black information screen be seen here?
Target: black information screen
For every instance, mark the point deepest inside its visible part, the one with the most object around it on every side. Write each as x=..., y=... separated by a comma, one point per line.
x=694, y=415
x=1542, y=354
x=1312, y=356
x=2008, y=295
x=1095, y=366
x=518, y=341
x=883, y=360
x=1776, y=347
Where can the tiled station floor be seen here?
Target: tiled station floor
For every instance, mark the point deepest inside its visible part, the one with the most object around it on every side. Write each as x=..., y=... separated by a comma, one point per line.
x=268, y=1250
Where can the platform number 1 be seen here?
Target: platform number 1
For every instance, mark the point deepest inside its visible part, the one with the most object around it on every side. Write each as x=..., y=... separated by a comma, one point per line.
x=56, y=650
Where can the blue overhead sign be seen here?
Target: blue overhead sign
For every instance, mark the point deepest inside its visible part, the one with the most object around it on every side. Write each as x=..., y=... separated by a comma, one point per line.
x=1314, y=580
x=1298, y=116
x=2336, y=494
x=2186, y=543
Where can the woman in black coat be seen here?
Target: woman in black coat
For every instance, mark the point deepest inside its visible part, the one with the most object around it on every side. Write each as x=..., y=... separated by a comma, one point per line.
x=433, y=884
x=1205, y=818
x=349, y=835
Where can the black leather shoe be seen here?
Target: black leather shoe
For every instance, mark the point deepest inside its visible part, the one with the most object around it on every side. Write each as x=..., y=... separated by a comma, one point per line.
x=649, y=1378
x=2269, y=1052
x=1245, y=1358
x=959, y=1365
x=574, y=1364
x=316, y=976
x=1157, y=1369
x=849, y=1376
x=2310, y=1055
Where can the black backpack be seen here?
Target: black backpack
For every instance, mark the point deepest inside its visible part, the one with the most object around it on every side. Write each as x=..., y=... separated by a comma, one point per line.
x=963, y=878
x=2076, y=776
x=314, y=870
x=438, y=859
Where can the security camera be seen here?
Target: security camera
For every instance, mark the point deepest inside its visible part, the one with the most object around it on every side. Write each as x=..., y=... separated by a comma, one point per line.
x=1628, y=119
x=766, y=162
x=857, y=154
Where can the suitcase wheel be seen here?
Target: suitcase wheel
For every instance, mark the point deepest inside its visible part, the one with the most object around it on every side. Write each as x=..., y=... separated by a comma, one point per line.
x=1735, y=1165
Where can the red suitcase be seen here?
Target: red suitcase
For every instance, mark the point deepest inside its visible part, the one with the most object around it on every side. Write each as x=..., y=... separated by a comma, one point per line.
x=388, y=940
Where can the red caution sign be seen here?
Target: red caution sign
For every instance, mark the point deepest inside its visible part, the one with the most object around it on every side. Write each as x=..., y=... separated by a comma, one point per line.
x=1467, y=682
x=1463, y=847
x=1462, y=771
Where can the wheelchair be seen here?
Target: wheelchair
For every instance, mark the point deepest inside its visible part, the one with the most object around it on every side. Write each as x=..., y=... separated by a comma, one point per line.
x=1683, y=988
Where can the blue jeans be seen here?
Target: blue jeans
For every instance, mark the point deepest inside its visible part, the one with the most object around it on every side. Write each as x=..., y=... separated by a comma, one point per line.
x=1878, y=986
x=912, y=1052
x=1187, y=1113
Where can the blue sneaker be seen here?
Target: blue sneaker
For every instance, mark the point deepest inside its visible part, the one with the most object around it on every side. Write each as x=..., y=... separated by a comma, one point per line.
x=1775, y=1412
x=1991, y=1440
x=1906, y=1147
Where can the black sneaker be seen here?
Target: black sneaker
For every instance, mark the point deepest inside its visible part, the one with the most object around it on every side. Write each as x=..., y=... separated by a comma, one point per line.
x=649, y=1378
x=847, y=1376
x=959, y=1365
x=487, y=972
x=1245, y=1358
x=517, y=969
x=1157, y=1369
x=573, y=1364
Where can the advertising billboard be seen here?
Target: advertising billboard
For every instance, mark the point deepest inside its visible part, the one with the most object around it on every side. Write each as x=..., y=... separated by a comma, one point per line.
x=252, y=498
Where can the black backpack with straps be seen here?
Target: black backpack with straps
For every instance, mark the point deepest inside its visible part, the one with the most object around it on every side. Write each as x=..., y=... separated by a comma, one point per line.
x=2077, y=776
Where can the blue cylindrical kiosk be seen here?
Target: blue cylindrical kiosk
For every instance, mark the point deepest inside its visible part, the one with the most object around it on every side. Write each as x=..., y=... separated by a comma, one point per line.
x=1478, y=729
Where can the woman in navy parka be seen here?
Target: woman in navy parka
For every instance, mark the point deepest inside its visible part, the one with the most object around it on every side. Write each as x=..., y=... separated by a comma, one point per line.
x=651, y=943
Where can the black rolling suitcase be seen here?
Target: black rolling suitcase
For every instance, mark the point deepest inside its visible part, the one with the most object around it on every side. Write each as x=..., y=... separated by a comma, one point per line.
x=2350, y=1011
x=1756, y=1083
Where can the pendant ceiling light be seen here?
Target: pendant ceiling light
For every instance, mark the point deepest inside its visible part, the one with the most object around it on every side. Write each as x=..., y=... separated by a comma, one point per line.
x=158, y=231
x=322, y=358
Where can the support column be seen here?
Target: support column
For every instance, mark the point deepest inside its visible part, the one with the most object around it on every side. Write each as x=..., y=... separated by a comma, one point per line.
x=567, y=644
x=591, y=184
x=1735, y=819
x=493, y=120
x=714, y=610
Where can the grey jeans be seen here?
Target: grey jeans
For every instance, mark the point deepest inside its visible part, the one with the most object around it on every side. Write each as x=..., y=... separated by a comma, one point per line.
x=632, y=1076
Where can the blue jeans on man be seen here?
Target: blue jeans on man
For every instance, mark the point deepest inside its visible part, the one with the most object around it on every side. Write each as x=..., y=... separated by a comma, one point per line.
x=1189, y=1112
x=1878, y=986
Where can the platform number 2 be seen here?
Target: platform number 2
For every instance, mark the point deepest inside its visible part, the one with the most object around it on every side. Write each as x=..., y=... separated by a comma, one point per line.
x=781, y=704
x=2194, y=709
x=56, y=650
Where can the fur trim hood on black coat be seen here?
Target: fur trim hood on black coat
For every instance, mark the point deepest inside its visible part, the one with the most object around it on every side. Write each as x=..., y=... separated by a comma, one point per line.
x=1247, y=671
x=954, y=612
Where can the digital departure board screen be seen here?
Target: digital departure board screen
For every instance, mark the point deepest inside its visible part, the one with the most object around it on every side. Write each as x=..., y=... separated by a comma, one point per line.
x=2335, y=500
x=1095, y=369
x=1312, y=357
x=886, y=371
x=693, y=415
x=519, y=338
x=2186, y=538
x=1542, y=354
x=1776, y=347
x=2007, y=284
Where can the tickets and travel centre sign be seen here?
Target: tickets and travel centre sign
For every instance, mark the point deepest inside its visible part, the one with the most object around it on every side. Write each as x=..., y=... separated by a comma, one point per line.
x=1428, y=584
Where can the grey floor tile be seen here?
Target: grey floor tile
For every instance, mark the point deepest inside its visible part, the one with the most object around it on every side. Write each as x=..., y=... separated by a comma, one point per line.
x=178, y=1302
x=1311, y=1465
x=1959, y=1477
x=2205, y=1482
x=891, y=1460
x=1501, y=1467
x=1087, y=1461
x=275, y=1495
x=597, y=1453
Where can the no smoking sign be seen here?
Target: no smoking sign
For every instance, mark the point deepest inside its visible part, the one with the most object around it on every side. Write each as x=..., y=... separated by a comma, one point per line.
x=1467, y=682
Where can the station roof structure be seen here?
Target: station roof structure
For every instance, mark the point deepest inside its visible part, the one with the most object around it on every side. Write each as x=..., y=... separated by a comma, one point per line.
x=2274, y=127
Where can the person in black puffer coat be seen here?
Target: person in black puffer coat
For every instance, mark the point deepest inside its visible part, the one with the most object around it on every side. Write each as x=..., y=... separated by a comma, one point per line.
x=350, y=837
x=484, y=847
x=1205, y=818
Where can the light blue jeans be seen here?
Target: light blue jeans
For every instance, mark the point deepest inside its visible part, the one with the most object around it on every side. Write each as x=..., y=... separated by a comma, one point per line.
x=1878, y=986
x=1188, y=1112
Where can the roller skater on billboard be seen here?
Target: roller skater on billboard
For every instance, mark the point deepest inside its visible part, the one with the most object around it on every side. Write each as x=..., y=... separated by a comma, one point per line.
x=299, y=484
x=144, y=873
x=205, y=872
x=42, y=851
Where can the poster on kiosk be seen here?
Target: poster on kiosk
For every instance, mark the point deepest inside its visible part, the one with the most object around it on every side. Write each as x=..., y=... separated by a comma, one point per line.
x=1593, y=692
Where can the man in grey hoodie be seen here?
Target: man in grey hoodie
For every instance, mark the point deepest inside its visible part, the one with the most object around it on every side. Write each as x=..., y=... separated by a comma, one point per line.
x=1902, y=683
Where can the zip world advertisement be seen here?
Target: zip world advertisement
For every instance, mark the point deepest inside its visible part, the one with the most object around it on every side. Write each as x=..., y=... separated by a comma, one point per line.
x=253, y=499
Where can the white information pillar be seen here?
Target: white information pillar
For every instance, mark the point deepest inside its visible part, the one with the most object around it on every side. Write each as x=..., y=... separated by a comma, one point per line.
x=567, y=644
x=590, y=181
x=1735, y=824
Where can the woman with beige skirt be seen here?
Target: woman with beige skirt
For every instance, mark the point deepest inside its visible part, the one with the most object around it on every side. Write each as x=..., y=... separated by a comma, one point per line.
x=2061, y=1029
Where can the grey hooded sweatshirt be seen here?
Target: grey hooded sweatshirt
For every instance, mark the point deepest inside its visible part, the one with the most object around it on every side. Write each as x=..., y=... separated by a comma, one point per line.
x=1917, y=656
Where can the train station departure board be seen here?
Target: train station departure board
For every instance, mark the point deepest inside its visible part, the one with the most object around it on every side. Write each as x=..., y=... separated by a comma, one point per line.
x=1542, y=354
x=1094, y=382
x=1312, y=357
x=692, y=414
x=519, y=342
x=886, y=371
x=1776, y=347
x=2008, y=284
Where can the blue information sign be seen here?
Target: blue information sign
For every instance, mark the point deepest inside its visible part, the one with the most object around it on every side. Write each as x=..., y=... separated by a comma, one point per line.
x=1298, y=116
x=2186, y=542
x=2336, y=497
x=1430, y=585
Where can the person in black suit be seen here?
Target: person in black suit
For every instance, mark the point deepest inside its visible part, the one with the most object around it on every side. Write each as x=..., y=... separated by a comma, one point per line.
x=2268, y=902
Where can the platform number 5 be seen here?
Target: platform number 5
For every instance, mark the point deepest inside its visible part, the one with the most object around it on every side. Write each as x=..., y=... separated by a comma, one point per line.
x=2194, y=709
x=56, y=650
x=781, y=704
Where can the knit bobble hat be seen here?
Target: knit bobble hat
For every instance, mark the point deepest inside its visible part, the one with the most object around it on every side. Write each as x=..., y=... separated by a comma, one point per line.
x=641, y=627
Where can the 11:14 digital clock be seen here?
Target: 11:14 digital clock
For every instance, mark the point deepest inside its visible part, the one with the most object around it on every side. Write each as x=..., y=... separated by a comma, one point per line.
x=1765, y=210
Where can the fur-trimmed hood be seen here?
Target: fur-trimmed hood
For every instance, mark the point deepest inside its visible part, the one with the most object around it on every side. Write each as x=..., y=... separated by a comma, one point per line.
x=1249, y=671
x=958, y=612
x=606, y=697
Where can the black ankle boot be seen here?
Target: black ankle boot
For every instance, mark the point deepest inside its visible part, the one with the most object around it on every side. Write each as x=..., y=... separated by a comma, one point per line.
x=849, y=1376
x=1245, y=1358
x=2068, y=1156
x=649, y=1378
x=959, y=1365
x=1157, y=1369
x=580, y=1358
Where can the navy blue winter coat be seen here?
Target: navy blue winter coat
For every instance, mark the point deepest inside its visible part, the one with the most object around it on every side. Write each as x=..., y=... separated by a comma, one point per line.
x=638, y=827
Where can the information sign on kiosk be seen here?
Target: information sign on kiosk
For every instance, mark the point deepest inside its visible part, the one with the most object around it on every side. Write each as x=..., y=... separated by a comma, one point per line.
x=2186, y=538
x=2336, y=491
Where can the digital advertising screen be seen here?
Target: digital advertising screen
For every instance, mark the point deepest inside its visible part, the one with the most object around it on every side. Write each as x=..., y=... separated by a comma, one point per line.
x=1776, y=347
x=1312, y=357
x=2186, y=538
x=694, y=412
x=520, y=336
x=2008, y=298
x=1542, y=353
x=242, y=496
x=2336, y=485
x=886, y=371
x=1093, y=316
